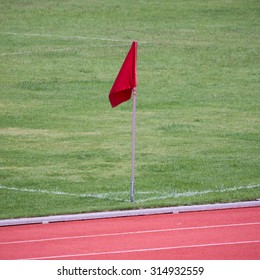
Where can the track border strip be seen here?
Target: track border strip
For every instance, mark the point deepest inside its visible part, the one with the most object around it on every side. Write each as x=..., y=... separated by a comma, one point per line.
x=128, y=213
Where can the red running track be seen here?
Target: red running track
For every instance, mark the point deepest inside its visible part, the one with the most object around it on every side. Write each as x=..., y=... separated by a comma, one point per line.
x=232, y=234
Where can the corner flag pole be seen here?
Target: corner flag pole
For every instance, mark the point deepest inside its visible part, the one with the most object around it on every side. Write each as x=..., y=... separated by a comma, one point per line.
x=133, y=147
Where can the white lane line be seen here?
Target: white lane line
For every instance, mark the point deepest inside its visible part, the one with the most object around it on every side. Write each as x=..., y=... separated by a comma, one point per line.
x=148, y=250
x=127, y=233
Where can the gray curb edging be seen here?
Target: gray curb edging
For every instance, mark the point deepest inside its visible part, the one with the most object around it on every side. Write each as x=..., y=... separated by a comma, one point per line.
x=128, y=213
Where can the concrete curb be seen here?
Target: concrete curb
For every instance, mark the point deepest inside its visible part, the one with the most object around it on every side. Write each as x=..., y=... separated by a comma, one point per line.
x=128, y=213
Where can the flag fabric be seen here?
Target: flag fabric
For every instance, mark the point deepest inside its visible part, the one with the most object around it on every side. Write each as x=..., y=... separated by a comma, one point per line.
x=126, y=80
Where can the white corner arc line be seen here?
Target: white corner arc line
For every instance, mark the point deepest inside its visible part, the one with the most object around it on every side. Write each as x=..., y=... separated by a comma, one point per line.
x=121, y=213
x=128, y=233
x=194, y=193
x=99, y=196
x=148, y=249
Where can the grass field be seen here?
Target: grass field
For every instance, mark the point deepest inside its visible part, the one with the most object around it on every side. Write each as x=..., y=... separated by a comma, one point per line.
x=63, y=149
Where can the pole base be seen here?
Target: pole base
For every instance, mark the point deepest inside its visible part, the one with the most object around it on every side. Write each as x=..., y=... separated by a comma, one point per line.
x=132, y=199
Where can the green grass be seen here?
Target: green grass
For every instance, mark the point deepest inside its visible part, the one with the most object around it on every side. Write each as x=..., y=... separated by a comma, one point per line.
x=198, y=120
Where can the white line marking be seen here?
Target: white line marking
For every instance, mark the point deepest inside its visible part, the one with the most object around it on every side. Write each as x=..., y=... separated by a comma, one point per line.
x=99, y=196
x=67, y=37
x=113, y=195
x=44, y=51
x=194, y=193
x=127, y=233
x=215, y=191
x=148, y=249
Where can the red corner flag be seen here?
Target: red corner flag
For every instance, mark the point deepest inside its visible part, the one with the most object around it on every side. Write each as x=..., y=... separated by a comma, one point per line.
x=125, y=81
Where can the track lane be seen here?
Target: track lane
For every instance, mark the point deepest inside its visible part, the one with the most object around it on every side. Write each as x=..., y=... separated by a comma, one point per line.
x=148, y=242
x=219, y=234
